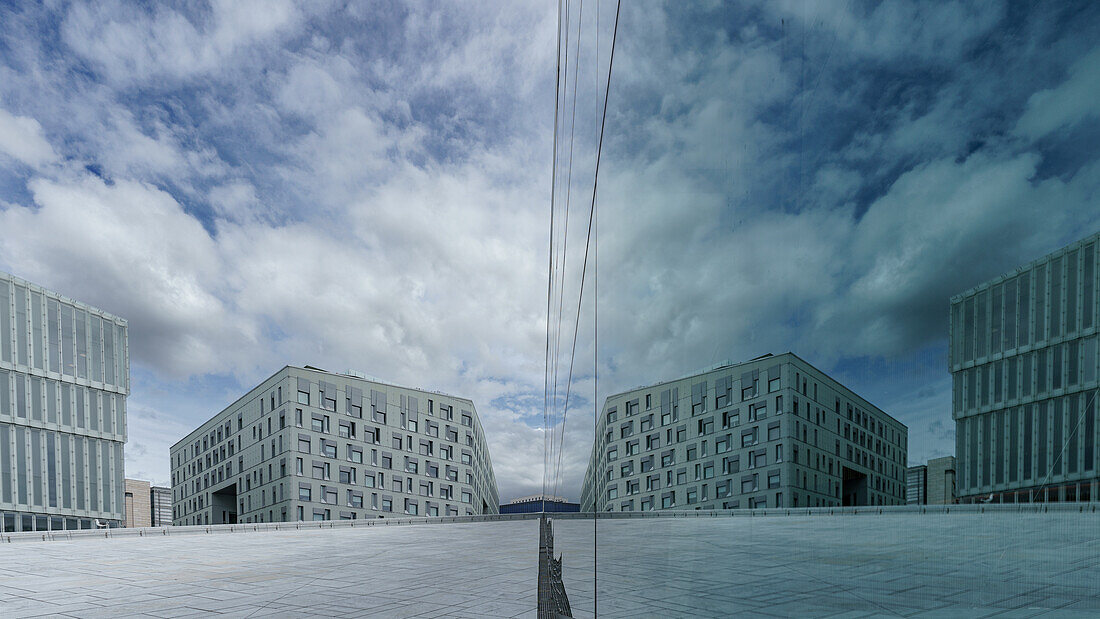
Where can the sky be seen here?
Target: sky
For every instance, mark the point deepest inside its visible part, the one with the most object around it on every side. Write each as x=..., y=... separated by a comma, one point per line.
x=368, y=185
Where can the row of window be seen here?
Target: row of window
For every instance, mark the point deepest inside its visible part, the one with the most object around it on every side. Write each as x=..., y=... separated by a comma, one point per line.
x=1038, y=372
x=1052, y=299
x=69, y=406
x=1037, y=442
x=53, y=336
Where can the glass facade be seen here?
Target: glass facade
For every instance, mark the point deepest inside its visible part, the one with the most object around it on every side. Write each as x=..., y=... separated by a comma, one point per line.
x=58, y=470
x=1024, y=370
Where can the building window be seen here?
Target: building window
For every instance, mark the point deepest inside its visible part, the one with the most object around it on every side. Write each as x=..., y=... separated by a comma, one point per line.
x=303, y=397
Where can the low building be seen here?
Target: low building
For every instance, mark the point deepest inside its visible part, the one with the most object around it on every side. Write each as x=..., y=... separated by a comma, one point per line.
x=160, y=499
x=771, y=432
x=138, y=504
x=539, y=503
x=307, y=444
x=916, y=485
x=941, y=481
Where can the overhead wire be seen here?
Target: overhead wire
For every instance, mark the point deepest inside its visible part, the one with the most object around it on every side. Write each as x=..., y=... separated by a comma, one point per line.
x=591, y=217
x=560, y=257
x=550, y=270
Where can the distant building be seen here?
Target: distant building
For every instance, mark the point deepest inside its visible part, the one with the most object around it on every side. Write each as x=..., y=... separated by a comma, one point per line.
x=307, y=444
x=160, y=499
x=771, y=432
x=932, y=483
x=539, y=503
x=1023, y=361
x=941, y=481
x=64, y=378
x=916, y=485
x=138, y=504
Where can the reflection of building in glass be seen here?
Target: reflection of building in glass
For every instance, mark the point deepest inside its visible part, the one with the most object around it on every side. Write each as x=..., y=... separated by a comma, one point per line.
x=64, y=377
x=307, y=444
x=138, y=504
x=771, y=432
x=916, y=485
x=539, y=503
x=160, y=500
x=1023, y=365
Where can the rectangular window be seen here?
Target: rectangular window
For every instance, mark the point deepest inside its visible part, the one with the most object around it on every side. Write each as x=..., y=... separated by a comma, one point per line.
x=1088, y=290
x=1024, y=328
x=1056, y=297
x=1071, y=292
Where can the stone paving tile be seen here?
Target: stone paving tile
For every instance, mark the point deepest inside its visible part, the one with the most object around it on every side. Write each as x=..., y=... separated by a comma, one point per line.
x=1004, y=565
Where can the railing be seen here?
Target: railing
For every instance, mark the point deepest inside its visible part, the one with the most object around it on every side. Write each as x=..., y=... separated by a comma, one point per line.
x=960, y=509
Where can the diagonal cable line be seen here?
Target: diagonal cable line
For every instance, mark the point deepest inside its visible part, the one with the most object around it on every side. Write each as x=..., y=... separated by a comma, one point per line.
x=591, y=215
x=550, y=273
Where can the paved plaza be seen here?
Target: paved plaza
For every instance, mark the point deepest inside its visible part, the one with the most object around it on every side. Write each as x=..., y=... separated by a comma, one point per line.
x=895, y=564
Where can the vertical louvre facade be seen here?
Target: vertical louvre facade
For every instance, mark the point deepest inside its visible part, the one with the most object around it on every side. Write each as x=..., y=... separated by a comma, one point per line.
x=313, y=445
x=64, y=378
x=1023, y=355
x=771, y=432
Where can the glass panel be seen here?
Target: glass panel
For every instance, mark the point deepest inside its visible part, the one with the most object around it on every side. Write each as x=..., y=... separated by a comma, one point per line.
x=95, y=353
x=22, y=325
x=5, y=456
x=38, y=339
x=1088, y=286
x=5, y=320
x=53, y=333
x=81, y=343
x=1056, y=316
x=68, y=344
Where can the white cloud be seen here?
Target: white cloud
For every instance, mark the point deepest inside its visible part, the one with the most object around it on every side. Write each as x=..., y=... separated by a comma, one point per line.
x=129, y=44
x=21, y=139
x=1069, y=103
x=368, y=190
x=131, y=249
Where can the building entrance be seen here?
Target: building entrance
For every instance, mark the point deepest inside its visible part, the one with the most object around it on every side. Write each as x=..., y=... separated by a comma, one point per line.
x=853, y=489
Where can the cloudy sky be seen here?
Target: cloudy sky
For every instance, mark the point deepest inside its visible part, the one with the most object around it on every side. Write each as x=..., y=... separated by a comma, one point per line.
x=367, y=186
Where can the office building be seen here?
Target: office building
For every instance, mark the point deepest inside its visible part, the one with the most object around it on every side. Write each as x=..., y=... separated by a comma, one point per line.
x=539, y=503
x=771, y=432
x=64, y=378
x=138, y=504
x=160, y=506
x=1023, y=361
x=916, y=485
x=307, y=444
x=941, y=481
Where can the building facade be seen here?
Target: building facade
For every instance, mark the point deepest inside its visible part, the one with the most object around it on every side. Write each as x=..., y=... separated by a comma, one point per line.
x=307, y=444
x=941, y=481
x=1023, y=361
x=160, y=502
x=539, y=503
x=916, y=485
x=138, y=504
x=64, y=378
x=771, y=432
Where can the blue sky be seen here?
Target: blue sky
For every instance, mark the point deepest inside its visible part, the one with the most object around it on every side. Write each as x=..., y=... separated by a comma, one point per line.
x=366, y=186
